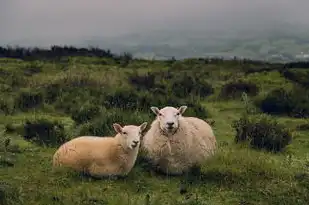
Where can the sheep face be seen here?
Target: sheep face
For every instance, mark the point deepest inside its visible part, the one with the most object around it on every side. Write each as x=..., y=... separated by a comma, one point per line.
x=169, y=117
x=130, y=134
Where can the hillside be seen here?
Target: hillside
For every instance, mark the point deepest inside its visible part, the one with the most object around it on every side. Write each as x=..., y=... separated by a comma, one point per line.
x=51, y=96
x=280, y=42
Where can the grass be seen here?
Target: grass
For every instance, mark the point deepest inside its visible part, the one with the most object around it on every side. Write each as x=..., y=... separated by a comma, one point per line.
x=237, y=174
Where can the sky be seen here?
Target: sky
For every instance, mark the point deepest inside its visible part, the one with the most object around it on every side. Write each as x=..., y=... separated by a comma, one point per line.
x=60, y=21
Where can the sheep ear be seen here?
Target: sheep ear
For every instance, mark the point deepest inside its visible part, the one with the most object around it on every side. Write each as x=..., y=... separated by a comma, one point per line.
x=155, y=110
x=182, y=109
x=117, y=127
x=143, y=126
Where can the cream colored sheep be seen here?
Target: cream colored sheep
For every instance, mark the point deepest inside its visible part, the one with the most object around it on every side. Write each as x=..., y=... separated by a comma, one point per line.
x=102, y=156
x=175, y=143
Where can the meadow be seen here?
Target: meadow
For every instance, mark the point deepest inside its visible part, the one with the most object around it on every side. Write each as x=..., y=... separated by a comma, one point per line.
x=259, y=112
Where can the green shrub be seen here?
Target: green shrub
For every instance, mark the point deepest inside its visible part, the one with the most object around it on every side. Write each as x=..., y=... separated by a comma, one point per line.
x=27, y=99
x=102, y=126
x=294, y=103
x=146, y=81
x=300, y=76
x=33, y=68
x=262, y=132
x=186, y=84
x=9, y=195
x=44, y=131
x=235, y=89
x=304, y=126
x=6, y=105
x=195, y=109
x=86, y=113
x=122, y=98
x=52, y=92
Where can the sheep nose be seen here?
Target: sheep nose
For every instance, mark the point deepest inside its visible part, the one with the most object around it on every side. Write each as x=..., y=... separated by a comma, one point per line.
x=170, y=124
x=135, y=142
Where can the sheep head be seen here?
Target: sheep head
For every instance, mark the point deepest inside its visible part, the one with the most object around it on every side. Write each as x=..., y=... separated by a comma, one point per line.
x=168, y=117
x=131, y=134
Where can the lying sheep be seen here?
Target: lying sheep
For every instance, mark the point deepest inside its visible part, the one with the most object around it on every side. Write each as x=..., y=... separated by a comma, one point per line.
x=102, y=156
x=175, y=143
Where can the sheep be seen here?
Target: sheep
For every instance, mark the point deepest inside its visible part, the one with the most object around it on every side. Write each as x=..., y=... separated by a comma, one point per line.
x=175, y=144
x=102, y=157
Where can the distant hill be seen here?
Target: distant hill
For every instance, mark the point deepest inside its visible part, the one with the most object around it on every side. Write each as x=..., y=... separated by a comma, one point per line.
x=283, y=42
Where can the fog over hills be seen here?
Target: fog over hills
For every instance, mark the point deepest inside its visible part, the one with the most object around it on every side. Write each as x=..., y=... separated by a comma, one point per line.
x=273, y=29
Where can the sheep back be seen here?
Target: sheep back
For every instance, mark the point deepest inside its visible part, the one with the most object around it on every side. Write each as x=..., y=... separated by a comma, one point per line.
x=98, y=156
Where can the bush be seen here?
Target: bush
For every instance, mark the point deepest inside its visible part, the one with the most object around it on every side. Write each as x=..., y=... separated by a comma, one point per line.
x=235, y=89
x=294, y=103
x=186, y=84
x=102, y=126
x=44, y=132
x=28, y=99
x=262, y=132
x=195, y=109
x=7, y=105
x=300, y=76
x=9, y=194
x=143, y=81
x=52, y=92
x=122, y=98
x=33, y=68
x=86, y=113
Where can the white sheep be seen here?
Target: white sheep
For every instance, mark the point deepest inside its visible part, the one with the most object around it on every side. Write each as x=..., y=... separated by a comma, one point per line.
x=102, y=156
x=175, y=143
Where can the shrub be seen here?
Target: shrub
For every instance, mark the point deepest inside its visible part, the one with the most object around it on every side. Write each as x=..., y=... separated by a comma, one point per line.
x=195, y=109
x=32, y=68
x=294, y=103
x=303, y=126
x=122, y=98
x=86, y=113
x=6, y=105
x=262, y=132
x=300, y=76
x=9, y=194
x=186, y=84
x=143, y=81
x=102, y=126
x=28, y=99
x=44, y=131
x=52, y=92
x=235, y=89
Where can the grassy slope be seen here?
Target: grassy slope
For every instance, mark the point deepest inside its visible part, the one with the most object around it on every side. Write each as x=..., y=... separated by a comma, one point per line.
x=237, y=175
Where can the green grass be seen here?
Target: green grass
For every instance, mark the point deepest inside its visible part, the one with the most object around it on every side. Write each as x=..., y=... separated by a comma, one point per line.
x=237, y=174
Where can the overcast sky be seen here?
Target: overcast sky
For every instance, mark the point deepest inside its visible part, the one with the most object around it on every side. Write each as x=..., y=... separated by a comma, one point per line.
x=59, y=20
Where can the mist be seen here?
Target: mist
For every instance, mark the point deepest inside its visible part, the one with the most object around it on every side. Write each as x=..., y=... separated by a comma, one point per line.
x=44, y=22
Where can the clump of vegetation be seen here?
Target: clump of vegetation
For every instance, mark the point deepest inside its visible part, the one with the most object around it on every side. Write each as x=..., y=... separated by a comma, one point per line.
x=28, y=99
x=102, y=125
x=236, y=88
x=87, y=112
x=300, y=76
x=146, y=81
x=45, y=132
x=33, y=68
x=186, y=84
x=262, y=132
x=294, y=102
x=9, y=195
x=6, y=105
x=122, y=98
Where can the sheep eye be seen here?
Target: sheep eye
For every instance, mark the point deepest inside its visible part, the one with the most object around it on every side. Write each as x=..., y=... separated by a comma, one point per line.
x=160, y=114
x=124, y=133
x=178, y=113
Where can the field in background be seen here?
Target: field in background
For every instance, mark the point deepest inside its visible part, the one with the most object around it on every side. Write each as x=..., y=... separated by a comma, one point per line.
x=45, y=102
